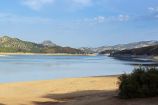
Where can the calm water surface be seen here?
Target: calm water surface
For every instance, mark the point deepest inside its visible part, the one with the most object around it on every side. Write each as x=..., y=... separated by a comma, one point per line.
x=39, y=67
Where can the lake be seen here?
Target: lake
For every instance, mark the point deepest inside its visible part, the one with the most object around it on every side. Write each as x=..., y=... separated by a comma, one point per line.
x=18, y=68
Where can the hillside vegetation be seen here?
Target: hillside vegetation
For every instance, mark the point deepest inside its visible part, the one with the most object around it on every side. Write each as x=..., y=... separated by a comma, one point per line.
x=12, y=45
x=142, y=82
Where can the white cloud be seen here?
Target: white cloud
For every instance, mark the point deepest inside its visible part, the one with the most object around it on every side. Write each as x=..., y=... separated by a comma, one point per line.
x=153, y=14
x=123, y=17
x=101, y=19
x=153, y=9
x=36, y=4
x=82, y=2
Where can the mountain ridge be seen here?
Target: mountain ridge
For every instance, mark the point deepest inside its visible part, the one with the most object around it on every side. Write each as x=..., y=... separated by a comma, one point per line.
x=12, y=45
x=119, y=47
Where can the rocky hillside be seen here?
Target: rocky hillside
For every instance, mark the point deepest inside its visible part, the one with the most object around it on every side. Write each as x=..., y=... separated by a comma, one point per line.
x=88, y=50
x=48, y=43
x=119, y=47
x=147, y=51
x=8, y=44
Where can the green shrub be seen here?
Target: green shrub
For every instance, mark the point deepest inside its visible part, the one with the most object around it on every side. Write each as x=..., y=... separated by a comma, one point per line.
x=142, y=82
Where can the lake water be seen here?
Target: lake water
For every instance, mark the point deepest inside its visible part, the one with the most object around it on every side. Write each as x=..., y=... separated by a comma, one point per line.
x=41, y=67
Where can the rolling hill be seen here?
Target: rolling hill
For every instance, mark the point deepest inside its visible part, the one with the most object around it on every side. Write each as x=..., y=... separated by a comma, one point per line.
x=13, y=45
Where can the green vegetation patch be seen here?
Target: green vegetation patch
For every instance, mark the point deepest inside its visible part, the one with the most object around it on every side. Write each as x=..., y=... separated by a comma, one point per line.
x=142, y=82
x=13, y=45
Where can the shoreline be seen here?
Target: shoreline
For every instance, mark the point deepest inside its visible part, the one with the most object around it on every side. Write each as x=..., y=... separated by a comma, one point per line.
x=59, y=79
x=49, y=54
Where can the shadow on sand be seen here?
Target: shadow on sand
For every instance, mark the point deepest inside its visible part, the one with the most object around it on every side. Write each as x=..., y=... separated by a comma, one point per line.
x=76, y=98
x=93, y=97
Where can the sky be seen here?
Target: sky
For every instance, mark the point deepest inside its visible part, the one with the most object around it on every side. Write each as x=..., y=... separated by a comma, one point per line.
x=80, y=23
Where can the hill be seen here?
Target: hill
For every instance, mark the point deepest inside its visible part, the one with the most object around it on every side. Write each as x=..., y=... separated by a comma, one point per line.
x=145, y=51
x=48, y=43
x=129, y=46
x=13, y=45
x=119, y=47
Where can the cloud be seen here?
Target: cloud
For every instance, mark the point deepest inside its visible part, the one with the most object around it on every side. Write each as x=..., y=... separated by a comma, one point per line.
x=153, y=15
x=123, y=17
x=82, y=2
x=102, y=19
x=153, y=9
x=36, y=4
x=99, y=19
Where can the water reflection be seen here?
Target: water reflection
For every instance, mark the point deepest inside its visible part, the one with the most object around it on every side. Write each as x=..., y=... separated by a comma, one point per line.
x=40, y=67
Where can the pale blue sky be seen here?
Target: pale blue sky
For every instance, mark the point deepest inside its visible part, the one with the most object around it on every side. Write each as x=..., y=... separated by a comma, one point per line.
x=80, y=23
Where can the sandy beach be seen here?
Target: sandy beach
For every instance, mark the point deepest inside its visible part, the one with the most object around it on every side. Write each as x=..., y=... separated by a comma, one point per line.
x=72, y=91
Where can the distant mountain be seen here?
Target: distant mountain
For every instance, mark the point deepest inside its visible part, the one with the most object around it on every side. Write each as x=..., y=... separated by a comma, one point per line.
x=147, y=51
x=8, y=44
x=48, y=43
x=87, y=50
x=120, y=47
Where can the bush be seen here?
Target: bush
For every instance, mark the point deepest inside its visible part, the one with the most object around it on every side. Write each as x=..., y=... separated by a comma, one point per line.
x=142, y=82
